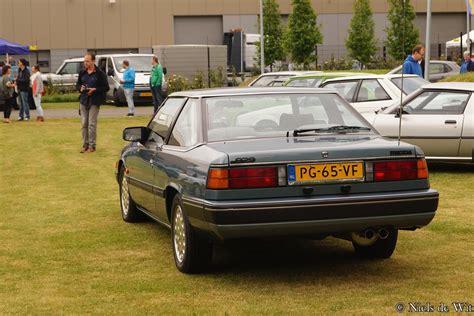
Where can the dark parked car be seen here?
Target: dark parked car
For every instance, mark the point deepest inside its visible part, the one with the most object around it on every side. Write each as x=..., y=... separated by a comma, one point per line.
x=210, y=176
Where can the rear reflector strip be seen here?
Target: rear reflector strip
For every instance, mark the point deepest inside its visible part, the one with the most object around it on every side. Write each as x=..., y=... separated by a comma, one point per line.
x=246, y=178
x=397, y=170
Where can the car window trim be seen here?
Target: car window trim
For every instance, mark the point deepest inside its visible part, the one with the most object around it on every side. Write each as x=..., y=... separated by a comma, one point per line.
x=165, y=139
x=356, y=92
x=375, y=100
x=200, y=141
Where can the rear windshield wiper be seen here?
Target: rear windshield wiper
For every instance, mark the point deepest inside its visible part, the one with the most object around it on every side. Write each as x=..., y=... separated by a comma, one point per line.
x=335, y=128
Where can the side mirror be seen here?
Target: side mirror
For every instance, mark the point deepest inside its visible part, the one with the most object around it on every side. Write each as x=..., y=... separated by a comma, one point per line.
x=397, y=112
x=135, y=134
x=111, y=72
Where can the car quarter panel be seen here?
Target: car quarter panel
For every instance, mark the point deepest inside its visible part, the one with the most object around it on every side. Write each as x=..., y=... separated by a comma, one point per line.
x=466, y=148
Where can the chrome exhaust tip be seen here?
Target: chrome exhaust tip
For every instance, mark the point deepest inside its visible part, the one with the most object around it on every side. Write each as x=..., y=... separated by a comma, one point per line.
x=369, y=233
x=383, y=233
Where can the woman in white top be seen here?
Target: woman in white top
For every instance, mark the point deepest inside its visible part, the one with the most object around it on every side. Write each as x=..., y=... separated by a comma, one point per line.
x=37, y=87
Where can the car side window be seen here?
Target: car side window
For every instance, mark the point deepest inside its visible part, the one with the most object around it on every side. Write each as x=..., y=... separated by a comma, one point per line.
x=187, y=130
x=371, y=90
x=165, y=117
x=438, y=102
x=345, y=88
x=103, y=64
x=436, y=69
x=70, y=69
x=110, y=66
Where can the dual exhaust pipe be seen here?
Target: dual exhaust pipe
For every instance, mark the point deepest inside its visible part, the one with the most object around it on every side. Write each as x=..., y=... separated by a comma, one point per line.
x=381, y=233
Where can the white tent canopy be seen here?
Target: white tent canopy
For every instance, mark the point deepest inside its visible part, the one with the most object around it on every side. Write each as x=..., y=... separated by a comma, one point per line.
x=456, y=42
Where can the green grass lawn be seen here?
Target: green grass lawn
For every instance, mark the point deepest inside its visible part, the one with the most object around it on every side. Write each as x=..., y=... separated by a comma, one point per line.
x=65, y=249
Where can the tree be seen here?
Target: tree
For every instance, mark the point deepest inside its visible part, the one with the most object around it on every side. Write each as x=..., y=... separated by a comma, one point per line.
x=401, y=29
x=361, y=40
x=303, y=33
x=273, y=33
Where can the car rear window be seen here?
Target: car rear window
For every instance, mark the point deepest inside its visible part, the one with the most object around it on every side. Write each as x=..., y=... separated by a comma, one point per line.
x=410, y=84
x=273, y=115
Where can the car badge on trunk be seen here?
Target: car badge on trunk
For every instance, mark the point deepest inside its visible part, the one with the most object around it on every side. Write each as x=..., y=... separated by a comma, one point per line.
x=324, y=154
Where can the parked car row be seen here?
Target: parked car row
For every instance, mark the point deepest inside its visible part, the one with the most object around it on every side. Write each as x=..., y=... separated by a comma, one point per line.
x=437, y=117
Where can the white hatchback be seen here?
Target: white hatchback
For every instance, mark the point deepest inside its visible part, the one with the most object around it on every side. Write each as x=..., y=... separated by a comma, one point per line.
x=369, y=93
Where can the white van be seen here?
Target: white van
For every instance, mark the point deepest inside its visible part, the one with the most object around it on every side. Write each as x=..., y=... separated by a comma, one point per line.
x=112, y=66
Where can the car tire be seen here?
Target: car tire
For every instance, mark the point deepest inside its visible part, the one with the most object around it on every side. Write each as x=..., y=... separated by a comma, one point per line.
x=192, y=253
x=129, y=210
x=117, y=100
x=381, y=248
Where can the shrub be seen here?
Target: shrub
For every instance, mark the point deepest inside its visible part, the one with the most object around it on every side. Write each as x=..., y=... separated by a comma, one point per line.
x=177, y=83
x=465, y=77
x=218, y=77
x=198, y=81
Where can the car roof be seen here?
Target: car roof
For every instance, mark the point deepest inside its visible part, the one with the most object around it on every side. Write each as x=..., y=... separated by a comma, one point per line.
x=124, y=55
x=465, y=86
x=247, y=91
x=324, y=74
x=288, y=73
x=81, y=59
x=75, y=59
x=371, y=76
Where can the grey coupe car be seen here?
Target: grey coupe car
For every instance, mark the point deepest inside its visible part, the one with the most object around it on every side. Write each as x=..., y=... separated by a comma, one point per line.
x=439, y=69
x=210, y=176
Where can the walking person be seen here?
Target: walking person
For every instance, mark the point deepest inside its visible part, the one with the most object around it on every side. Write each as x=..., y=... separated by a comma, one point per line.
x=92, y=84
x=411, y=66
x=23, y=86
x=37, y=89
x=128, y=83
x=8, y=89
x=467, y=64
x=156, y=79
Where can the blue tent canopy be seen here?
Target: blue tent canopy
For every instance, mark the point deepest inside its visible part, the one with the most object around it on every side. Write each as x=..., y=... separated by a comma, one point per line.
x=11, y=48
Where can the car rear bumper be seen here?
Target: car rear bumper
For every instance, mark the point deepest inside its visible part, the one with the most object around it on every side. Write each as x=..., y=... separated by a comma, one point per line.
x=312, y=215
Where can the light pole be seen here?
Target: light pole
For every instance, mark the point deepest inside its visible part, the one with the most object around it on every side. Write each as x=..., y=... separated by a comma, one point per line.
x=428, y=40
x=468, y=27
x=262, y=40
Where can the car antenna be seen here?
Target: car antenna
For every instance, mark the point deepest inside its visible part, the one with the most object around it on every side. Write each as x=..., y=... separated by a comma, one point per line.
x=403, y=74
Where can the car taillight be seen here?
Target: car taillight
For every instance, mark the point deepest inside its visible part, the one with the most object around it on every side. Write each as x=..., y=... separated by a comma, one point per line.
x=400, y=170
x=246, y=178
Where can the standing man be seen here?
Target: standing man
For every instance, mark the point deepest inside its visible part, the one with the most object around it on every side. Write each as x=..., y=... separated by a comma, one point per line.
x=467, y=64
x=411, y=66
x=128, y=82
x=92, y=84
x=156, y=79
x=23, y=85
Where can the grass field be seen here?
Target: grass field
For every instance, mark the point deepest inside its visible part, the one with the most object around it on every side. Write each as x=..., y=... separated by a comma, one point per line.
x=65, y=249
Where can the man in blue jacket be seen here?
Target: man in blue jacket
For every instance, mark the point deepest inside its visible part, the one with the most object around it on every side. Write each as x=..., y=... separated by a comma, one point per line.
x=411, y=66
x=128, y=82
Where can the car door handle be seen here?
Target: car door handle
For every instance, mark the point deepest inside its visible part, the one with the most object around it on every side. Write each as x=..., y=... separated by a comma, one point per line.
x=450, y=122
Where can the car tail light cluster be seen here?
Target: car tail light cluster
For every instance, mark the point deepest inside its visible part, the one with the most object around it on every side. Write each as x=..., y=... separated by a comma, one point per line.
x=246, y=178
x=397, y=170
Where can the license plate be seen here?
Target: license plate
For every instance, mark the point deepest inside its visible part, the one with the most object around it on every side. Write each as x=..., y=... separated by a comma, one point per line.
x=326, y=172
x=145, y=94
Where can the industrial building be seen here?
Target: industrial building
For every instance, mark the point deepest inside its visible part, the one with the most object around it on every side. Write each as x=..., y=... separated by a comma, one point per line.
x=59, y=29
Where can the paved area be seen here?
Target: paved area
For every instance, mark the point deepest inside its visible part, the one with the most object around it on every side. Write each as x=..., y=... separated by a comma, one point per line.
x=74, y=113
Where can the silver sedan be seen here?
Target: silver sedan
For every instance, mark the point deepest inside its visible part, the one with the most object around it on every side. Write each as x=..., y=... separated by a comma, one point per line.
x=439, y=118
